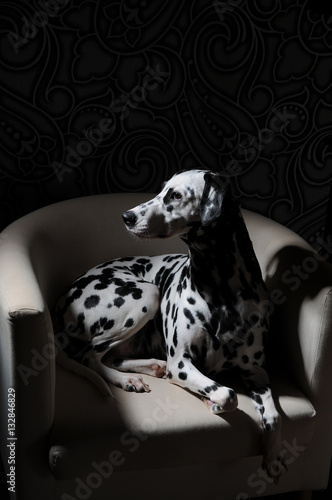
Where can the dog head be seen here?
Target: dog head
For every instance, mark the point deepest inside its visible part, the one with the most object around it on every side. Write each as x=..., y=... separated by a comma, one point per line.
x=188, y=198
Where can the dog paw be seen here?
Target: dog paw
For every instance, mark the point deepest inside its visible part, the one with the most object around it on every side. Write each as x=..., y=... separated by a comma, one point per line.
x=274, y=467
x=221, y=403
x=273, y=461
x=136, y=384
x=158, y=369
x=153, y=367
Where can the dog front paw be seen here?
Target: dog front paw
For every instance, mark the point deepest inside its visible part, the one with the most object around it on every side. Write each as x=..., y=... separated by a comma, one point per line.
x=274, y=467
x=158, y=368
x=221, y=400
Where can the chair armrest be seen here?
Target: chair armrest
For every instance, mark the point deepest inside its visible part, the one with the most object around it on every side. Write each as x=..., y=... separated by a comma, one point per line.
x=27, y=358
x=18, y=285
x=300, y=287
x=301, y=320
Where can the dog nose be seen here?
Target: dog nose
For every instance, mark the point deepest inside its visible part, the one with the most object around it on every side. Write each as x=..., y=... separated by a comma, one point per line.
x=129, y=218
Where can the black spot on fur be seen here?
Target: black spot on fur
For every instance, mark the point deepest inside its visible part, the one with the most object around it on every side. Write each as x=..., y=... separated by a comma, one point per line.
x=189, y=315
x=93, y=327
x=100, y=286
x=213, y=388
x=267, y=427
x=200, y=316
x=103, y=321
x=250, y=339
x=143, y=261
x=175, y=338
x=254, y=319
x=102, y=347
x=76, y=293
x=91, y=301
x=125, y=288
x=80, y=324
x=84, y=281
x=109, y=324
x=129, y=323
x=257, y=398
x=182, y=280
x=119, y=301
x=183, y=376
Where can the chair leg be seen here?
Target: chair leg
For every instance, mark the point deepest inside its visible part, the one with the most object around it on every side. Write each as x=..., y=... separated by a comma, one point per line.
x=304, y=495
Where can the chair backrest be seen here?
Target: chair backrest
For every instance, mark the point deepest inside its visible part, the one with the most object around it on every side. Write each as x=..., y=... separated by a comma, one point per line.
x=65, y=239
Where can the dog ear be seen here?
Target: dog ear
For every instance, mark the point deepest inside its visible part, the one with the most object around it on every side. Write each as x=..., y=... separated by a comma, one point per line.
x=214, y=192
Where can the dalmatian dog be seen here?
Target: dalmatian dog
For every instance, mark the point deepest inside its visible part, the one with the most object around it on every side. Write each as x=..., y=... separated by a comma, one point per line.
x=184, y=317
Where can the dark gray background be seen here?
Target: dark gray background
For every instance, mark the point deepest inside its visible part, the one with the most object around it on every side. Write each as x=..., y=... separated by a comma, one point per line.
x=239, y=86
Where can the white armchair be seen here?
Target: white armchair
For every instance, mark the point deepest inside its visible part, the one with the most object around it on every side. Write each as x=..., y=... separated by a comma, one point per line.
x=68, y=441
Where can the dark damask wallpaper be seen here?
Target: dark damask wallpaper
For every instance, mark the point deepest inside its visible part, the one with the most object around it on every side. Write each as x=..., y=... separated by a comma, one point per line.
x=103, y=96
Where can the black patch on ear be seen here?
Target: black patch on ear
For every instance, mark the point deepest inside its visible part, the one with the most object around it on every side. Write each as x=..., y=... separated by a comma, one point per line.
x=168, y=195
x=213, y=195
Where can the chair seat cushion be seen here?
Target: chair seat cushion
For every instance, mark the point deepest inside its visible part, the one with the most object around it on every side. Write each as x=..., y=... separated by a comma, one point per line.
x=165, y=427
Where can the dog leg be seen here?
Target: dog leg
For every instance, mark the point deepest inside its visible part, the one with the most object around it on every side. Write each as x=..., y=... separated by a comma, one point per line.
x=257, y=381
x=113, y=323
x=218, y=398
x=127, y=381
x=153, y=367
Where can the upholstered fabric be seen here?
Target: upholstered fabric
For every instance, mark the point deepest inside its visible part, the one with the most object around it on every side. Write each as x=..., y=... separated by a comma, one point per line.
x=163, y=427
x=73, y=442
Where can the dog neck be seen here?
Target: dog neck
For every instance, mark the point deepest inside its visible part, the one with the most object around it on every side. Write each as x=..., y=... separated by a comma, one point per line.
x=218, y=254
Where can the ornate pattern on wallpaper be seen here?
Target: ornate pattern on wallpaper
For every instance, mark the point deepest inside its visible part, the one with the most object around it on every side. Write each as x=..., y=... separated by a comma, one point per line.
x=104, y=96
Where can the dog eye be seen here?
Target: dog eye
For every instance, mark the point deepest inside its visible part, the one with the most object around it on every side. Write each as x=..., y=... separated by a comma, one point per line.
x=176, y=195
